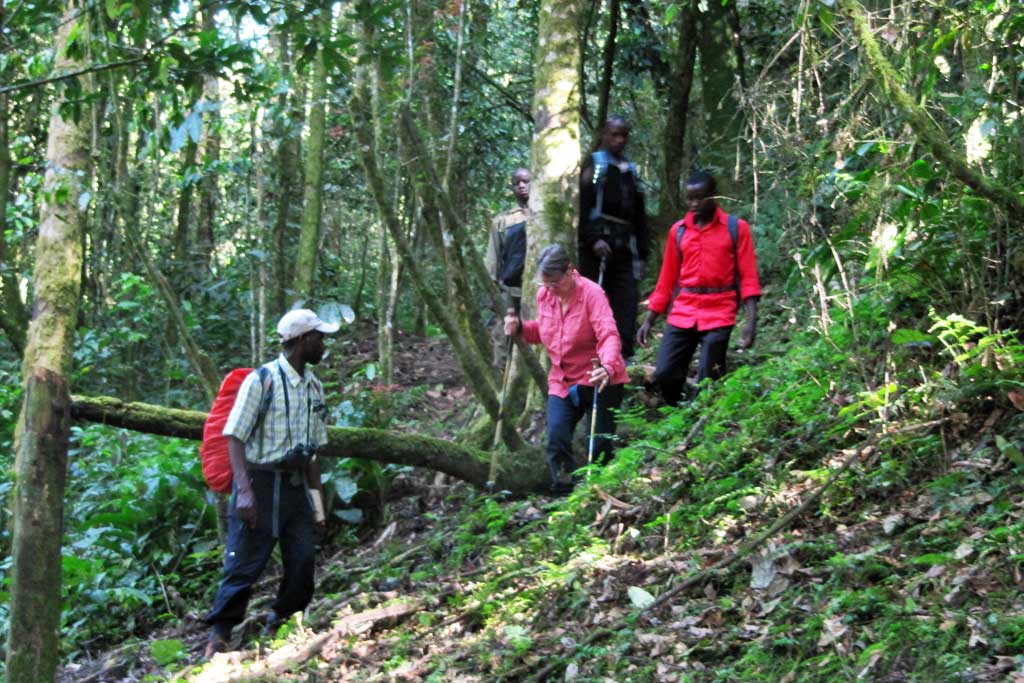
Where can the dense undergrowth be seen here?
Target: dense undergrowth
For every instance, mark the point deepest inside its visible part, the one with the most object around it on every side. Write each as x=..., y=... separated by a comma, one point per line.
x=908, y=568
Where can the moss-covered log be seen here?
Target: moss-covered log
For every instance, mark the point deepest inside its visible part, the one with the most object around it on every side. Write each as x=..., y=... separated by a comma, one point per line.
x=520, y=473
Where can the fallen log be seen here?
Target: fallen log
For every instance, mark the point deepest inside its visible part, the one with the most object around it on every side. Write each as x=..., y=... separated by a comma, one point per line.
x=519, y=473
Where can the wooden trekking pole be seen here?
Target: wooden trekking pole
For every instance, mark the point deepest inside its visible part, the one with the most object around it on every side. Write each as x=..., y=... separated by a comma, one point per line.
x=595, y=364
x=502, y=397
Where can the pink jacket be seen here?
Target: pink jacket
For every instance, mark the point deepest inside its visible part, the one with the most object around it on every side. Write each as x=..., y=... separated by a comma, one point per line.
x=587, y=330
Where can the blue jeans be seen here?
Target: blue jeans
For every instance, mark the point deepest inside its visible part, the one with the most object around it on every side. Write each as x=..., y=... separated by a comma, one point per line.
x=564, y=413
x=676, y=352
x=248, y=551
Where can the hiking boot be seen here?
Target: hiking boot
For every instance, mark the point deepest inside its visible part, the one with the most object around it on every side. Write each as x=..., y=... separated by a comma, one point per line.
x=216, y=644
x=562, y=488
x=271, y=623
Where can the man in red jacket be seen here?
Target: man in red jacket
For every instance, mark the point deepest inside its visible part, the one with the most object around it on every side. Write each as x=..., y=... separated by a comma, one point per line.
x=709, y=270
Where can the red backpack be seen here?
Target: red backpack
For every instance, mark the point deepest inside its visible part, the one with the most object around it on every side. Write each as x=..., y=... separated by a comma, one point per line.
x=214, y=450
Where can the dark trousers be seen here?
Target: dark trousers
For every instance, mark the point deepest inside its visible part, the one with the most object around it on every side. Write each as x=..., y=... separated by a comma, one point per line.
x=676, y=352
x=564, y=413
x=248, y=550
x=621, y=288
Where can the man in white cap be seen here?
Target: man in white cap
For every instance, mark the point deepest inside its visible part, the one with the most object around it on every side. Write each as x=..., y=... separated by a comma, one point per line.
x=277, y=494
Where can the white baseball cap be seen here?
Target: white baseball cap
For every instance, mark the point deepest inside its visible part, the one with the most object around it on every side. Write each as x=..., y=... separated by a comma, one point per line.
x=300, y=321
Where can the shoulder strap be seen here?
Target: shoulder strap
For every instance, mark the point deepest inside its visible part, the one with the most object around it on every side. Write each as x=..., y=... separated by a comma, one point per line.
x=266, y=396
x=733, y=224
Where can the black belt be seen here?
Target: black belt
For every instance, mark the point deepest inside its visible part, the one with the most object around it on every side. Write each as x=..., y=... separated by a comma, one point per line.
x=706, y=290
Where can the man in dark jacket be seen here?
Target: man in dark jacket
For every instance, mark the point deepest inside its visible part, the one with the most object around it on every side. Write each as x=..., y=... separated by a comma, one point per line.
x=613, y=226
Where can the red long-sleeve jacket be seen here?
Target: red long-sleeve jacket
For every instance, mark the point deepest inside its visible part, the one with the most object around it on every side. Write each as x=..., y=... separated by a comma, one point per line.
x=707, y=262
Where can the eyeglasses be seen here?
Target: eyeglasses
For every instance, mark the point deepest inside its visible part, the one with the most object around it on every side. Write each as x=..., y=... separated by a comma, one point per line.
x=552, y=283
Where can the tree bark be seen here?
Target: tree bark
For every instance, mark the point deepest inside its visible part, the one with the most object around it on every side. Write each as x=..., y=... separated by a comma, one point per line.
x=13, y=315
x=556, y=139
x=41, y=436
x=608, y=70
x=522, y=473
x=673, y=136
x=719, y=75
x=929, y=133
x=182, y=231
x=288, y=171
x=205, y=239
x=312, y=195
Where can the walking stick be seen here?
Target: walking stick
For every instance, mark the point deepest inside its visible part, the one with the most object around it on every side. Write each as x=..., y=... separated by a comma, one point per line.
x=505, y=381
x=600, y=273
x=595, y=364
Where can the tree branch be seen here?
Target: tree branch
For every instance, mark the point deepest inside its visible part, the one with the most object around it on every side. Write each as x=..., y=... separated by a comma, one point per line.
x=933, y=137
x=521, y=474
x=95, y=68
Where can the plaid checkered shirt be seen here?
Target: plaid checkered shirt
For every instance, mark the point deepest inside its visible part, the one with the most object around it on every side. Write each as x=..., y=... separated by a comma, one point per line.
x=303, y=421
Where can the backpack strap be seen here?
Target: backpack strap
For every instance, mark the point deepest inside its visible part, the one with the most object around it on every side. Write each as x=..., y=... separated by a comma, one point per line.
x=733, y=225
x=266, y=396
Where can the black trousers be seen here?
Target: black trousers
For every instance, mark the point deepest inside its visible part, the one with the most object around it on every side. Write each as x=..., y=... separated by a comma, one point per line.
x=677, y=348
x=621, y=288
x=248, y=551
x=565, y=413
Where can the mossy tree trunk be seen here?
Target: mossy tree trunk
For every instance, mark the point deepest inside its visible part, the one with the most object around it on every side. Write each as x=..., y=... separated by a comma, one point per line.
x=287, y=171
x=312, y=195
x=555, y=148
x=461, y=258
x=41, y=436
x=524, y=473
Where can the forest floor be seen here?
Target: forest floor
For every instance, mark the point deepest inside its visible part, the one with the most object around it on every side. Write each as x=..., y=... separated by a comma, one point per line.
x=655, y=570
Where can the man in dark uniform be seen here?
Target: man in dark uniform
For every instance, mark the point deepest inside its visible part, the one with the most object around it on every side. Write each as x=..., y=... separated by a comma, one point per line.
x=613, y=226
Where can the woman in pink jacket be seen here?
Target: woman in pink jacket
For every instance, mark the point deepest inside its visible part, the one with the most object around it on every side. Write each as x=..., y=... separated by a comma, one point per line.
x=575, y=324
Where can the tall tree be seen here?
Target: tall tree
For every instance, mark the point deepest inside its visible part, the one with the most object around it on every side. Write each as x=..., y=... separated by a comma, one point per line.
x=556, y=137
x=312, y=194
x=287, y=167
x=604, y=92
x=41, y=436
x=13, y=315
x=721, y=63
x=211, y=157
x=673, y=137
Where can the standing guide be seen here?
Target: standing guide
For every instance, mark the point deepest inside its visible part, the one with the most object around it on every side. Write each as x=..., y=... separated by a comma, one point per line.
x=709, y=267
x=506, y=250
x=575, y=325
x=613, y=226
x=277, y=492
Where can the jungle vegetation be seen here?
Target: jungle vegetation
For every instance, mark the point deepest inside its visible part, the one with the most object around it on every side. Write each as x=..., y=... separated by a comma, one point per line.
x=846, y=504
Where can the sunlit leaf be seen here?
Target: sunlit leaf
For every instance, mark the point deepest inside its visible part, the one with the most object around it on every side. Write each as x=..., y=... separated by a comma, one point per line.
x=640, y=598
